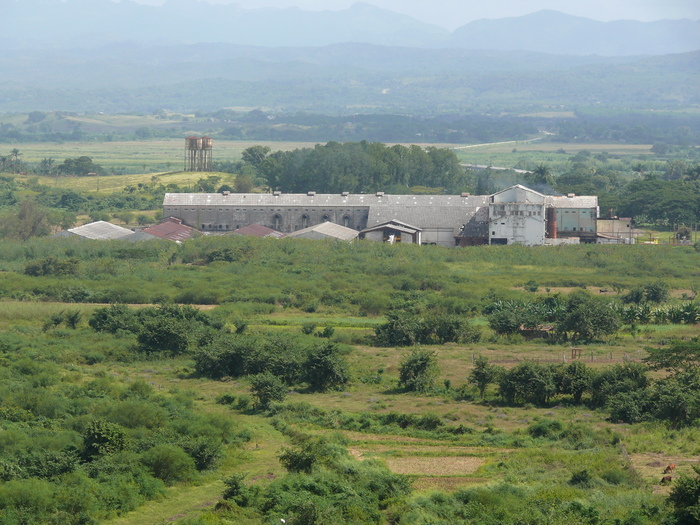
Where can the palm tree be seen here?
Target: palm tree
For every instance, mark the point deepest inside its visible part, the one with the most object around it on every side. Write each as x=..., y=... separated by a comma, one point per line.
x=15, y=154
x=542, y=174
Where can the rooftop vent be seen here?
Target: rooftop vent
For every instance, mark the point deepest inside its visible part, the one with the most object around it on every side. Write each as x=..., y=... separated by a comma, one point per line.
x=466, y=194
x=311, y=194
x=277, y=193
x=380, y=194
x=226, y=193
x=571, y=195
x=345, y=193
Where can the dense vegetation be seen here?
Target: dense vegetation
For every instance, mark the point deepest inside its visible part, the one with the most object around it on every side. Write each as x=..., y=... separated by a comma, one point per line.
x=575, y=126
x=360, y=279
x=128, y=404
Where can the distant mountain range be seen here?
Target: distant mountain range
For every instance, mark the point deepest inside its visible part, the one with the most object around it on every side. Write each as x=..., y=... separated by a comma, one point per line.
x=89, y=23
x=338, y=79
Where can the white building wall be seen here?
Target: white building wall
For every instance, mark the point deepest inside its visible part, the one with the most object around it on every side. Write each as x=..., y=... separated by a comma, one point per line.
x=517, y=223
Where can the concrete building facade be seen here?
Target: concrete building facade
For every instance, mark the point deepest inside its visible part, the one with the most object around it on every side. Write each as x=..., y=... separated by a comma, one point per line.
x=515, y=215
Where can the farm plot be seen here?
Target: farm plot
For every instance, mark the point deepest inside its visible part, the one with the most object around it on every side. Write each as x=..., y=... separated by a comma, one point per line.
x=430, y=463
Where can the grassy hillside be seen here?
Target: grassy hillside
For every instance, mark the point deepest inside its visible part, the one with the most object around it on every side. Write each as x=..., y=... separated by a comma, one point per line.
x=464, y=458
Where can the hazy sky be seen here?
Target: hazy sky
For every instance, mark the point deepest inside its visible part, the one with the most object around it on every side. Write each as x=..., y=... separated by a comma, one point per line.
x=454, y=13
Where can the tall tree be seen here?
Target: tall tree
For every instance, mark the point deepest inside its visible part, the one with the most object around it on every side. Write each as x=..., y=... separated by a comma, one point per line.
x=28, y=219
x=15, y=154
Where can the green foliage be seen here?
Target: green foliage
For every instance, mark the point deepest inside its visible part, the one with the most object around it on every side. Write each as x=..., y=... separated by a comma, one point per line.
x=326, y=369
x=55, y=320
x=247, y=354
x=32, y=499
x=618, y=379
x=546, y=428
x=73, y=318
x=311, y=453
x=529, y=383
x=587, y=318
x=326, y=486
x=357, y=167
x=164, y=334
x=172, y=329
x=418, y=371
x=80, y=167
x=656, y=292
x=676, y=399
x=102, y=437
x=27, y=219
x=113, y=319
x=206, y=451
x=581, y=478
x=169, y=463
x=327, y=332
x=656, y=200
x=267, y=388
x=678, y=357
x=576, y=380
x=237, y=491
x=52, y=266
x=505, y=322
x=685, y=499
x=407, y=329
x=308, y=328
x=483, y=374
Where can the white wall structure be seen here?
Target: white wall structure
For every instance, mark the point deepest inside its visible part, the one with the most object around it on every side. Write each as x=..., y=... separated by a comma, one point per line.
x=517, y=216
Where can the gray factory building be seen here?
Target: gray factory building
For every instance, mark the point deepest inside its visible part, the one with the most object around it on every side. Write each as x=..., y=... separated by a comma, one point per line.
x=445, y=220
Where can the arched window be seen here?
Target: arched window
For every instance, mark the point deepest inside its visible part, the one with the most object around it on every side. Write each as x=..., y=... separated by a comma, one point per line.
x=326, y=218
x=347, y=221
x=277, y=222
x=304, y=221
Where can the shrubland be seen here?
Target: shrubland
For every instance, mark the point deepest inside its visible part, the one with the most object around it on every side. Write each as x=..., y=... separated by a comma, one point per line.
x=353, y=383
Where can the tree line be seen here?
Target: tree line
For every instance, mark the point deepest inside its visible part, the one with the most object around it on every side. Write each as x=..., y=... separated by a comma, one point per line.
x=357, y=167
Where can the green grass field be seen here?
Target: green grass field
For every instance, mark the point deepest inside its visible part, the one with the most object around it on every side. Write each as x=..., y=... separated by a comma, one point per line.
x=135, y=154
x=164, y=158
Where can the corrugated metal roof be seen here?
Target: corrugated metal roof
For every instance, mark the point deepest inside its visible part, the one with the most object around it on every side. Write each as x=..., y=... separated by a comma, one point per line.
x=258, y=230
x=138, y=236
x=394, y=225
x=520, y=187
x=431, y=216
x=578, y=201
x=328, y=229
x=171, y=230
x=100, y=230
x=320, y=199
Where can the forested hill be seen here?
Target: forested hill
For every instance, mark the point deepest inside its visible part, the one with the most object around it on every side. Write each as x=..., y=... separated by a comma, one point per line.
x=338, y=79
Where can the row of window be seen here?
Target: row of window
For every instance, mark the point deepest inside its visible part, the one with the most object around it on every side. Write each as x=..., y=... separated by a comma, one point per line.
x=259, y=209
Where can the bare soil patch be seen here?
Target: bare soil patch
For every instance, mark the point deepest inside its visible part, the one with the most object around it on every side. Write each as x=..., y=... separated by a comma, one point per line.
x=650, y=467
x=392, y=438
x=441, y=466
x=430, y=450
x=446, y=484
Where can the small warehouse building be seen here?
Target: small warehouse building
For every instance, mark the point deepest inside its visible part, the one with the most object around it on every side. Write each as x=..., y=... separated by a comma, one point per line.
x=325, y=230
x=105, y=231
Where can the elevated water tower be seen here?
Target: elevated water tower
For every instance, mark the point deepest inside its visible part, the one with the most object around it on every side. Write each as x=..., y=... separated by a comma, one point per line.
x=198, y=153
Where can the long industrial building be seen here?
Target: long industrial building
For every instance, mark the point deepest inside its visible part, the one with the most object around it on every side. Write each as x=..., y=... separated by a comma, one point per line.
x=517, y=215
